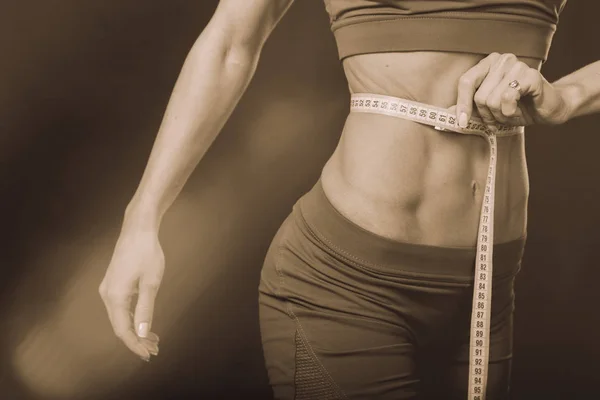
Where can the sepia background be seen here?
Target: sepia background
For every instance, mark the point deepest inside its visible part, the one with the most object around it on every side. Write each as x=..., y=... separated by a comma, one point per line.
x=83, y=86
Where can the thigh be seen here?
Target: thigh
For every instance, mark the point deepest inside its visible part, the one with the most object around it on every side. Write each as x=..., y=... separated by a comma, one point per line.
x=455, y=379
x=317, y=343
x=455, y=376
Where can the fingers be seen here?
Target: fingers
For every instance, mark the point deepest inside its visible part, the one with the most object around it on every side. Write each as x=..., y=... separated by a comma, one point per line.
x=502, y=91
x=530, y=84
x=118, y=302
x=487, y=86
x=152, y=337
x=145, y=308
x=124, y=330
x=503, y=102
x=490, y=83
x=150, y=345
x=468, y=84
x=137, y=268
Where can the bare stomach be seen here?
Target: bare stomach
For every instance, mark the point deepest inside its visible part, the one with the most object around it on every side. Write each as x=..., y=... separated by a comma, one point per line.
x=411, y=183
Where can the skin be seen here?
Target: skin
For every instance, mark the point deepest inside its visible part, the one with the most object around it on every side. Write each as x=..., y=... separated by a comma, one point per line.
x=393, y=177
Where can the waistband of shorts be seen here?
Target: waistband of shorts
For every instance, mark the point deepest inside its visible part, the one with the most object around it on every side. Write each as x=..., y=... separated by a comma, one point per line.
x=373, y=251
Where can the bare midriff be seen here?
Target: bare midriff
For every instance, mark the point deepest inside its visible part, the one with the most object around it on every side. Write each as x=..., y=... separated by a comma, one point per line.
x=409, y=182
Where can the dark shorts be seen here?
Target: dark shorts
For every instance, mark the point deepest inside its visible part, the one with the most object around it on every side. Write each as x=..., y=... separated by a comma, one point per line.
x=348, y=314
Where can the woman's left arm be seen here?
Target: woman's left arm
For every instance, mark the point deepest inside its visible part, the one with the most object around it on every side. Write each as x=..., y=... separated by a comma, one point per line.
x=505, y=90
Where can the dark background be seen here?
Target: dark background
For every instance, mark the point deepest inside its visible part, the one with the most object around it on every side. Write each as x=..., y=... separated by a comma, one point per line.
x=83, y=86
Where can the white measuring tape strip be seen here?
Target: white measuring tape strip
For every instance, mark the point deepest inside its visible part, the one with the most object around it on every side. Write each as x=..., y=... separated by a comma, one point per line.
x=442, y=120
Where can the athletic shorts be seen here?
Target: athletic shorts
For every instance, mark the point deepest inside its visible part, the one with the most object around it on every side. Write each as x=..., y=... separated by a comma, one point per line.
x=347, y=314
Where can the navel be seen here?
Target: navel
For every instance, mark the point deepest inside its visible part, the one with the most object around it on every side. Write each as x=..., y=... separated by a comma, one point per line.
x=474, y=188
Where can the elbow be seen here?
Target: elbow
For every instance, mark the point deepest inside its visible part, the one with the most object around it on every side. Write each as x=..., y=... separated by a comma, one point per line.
x=242, y=50
x=241, y=56
x=231, y=47
x=225, y=53
x=230, y=57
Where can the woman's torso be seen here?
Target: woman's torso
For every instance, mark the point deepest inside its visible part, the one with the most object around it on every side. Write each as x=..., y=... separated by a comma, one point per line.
x=409, y=182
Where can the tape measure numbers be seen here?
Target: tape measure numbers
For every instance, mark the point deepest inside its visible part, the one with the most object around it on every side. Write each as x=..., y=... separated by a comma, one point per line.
x=442, y=120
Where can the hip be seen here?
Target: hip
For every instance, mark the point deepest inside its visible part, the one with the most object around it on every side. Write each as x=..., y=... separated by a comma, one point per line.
x=340, y=308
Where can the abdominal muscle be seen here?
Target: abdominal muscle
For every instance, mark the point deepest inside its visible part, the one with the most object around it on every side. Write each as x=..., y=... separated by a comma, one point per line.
x=409, y=182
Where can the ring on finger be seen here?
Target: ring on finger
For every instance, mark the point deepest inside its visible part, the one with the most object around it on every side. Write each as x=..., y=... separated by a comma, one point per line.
x=514, y=84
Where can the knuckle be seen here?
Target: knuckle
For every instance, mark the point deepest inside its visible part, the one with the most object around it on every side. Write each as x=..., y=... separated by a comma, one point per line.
x=508, y=57
x=507, y=96
x=521, y=66
x=465, y=82
x=143, y=307
x=152, y=281
x=151, y=286
x=494, y=56
x=119, y=333
x=114, y=296
x=480, y=98
x=493, y=102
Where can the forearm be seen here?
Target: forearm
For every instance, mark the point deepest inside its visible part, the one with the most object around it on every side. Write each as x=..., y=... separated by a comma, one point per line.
x=581, y=90
x=212, y=80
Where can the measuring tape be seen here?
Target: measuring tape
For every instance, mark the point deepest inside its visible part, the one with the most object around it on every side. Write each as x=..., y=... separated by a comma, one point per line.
x=442, y=120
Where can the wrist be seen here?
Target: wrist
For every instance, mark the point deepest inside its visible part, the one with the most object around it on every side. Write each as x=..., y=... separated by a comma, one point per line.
x=142, y=214
x=572, y=95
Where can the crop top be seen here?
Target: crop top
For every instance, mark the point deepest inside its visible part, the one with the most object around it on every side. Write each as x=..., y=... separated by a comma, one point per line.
x=522, y=27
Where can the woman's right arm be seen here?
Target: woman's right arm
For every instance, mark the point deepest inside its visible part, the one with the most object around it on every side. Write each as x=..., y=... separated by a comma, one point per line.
x=214, y=76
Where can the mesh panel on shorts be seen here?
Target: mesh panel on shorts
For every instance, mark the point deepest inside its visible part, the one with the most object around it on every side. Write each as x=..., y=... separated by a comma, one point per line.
x=310, y=381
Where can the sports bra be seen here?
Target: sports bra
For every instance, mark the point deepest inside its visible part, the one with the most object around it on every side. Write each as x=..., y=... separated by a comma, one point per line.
x=522, y=27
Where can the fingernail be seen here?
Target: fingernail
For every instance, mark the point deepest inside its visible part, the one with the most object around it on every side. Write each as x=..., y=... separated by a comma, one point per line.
x=143, y=329
x=463, y=120
x=492, y=128
x=154, y=352
x=145, y=354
